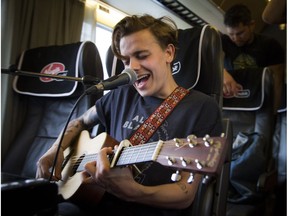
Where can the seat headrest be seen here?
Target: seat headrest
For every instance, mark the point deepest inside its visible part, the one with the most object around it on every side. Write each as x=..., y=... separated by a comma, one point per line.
x=252, y=95
x=114, y=65
x=185, y=67
x=187, y=63
x=62, y=60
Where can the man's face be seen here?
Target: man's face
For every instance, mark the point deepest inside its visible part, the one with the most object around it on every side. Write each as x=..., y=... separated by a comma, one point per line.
x=241, y=34
x=145, y=56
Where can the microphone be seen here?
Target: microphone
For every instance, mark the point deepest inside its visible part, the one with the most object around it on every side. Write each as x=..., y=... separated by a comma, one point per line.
x=127, y=76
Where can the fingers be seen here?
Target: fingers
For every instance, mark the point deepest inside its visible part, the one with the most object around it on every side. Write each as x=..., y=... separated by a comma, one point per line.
x=99, y=169
x=230, y=86
x=43, y=172
x=90, y=168
x=87, y=178
x=231, y=89
x=42, y=169
x=91, y=174
x=58, y=170
x=103, y=162
x=226, y=90
x=239, y=87
x=45, y=163
x=40, y=173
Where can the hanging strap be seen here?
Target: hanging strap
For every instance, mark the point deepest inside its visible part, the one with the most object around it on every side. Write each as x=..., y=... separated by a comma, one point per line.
x=148, y=128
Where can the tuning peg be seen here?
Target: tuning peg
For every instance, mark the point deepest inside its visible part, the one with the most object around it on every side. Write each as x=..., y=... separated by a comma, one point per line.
x=176, y=176
x=170, y=160
x=178, y=142
x=206, y=179
x=184, y=161
x=199, y=165
x=191, y=178
x=192, y=139
x=207, y=140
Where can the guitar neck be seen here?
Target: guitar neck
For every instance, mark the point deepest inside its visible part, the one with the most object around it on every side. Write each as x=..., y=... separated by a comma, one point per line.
x=202, y=155
x=126, y=155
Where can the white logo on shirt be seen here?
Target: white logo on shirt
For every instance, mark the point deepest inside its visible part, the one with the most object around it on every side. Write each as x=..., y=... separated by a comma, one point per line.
x=135, y=123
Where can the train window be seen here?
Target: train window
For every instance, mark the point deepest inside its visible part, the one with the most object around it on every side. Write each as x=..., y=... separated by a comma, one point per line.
x=103, y=41
x=99, y=21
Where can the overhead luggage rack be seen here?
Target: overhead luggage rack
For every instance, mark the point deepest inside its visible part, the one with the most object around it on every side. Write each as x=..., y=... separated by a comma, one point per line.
x=182, y=11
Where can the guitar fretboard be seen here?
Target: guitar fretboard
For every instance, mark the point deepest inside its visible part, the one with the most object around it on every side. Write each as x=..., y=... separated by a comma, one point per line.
x=138, y=154
x=126, y=156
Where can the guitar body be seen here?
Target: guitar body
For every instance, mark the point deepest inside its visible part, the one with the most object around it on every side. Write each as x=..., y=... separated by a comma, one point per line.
x=72, y=185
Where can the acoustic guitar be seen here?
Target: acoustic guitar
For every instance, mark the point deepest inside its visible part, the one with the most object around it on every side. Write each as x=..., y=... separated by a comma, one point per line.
x=196, y=155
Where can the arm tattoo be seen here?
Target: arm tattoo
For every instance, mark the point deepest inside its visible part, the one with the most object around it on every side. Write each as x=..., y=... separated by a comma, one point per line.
x=86, y=121
x=90, y=118
x=73, y=124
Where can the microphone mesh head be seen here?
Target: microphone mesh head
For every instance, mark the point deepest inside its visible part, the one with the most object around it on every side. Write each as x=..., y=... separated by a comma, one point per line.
x=132, y=75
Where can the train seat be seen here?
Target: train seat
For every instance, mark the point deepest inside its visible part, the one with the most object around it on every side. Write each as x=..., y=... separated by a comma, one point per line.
x=253, y=171
x=47, y=102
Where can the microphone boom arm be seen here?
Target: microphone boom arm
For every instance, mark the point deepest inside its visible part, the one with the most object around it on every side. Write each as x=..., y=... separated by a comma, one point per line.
x=85, y=79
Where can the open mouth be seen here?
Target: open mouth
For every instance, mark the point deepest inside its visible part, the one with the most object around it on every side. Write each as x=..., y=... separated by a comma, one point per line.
x=141, y=80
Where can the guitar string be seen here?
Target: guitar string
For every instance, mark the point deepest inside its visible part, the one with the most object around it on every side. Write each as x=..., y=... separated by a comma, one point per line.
x=131, y=148
x=127, y=150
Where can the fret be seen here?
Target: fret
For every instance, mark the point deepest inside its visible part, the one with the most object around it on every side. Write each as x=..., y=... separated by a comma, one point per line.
x=137, y=154
x=86, y=158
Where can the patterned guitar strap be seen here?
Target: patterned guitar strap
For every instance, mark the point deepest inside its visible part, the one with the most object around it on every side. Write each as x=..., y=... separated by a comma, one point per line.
x=151, y=124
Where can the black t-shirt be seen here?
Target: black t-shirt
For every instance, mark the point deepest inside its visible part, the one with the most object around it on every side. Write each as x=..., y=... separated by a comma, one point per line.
x=262, y=52
x=122, y=110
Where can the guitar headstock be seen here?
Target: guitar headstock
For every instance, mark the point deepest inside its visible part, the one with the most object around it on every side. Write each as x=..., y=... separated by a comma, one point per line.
x=196, y=155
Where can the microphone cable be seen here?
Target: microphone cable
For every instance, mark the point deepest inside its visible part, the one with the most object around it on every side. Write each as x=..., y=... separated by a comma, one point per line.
x=63, y=132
